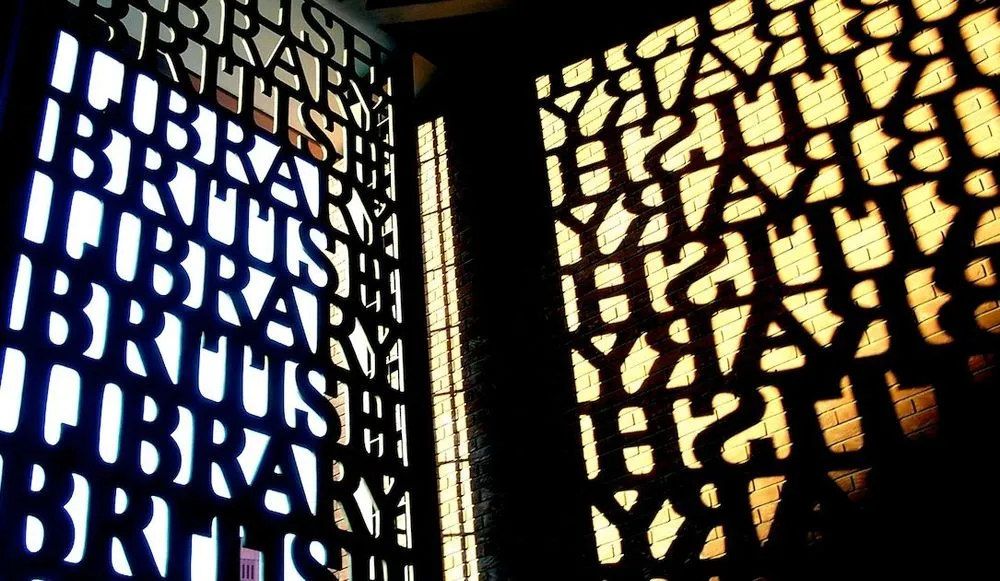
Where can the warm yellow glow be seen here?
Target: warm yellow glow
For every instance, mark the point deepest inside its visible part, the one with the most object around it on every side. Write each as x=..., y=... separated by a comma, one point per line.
x=926, y=299
x=865, y=240
x=589, y=447
x=795, y=256
x=638, y=364
x=728, y=326
x=663, y=530
x=736, y=205
x=915, y=407
x=839, y=420
x=821, y=101
x=979, y=114
x=735, y=269
x=609, y=542
x=774, y=427
x=447, y=383
x=981, y=31
x=765, y=493
x=930, y=217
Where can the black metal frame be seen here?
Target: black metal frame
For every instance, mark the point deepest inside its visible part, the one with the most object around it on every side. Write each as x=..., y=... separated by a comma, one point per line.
x=367, y=180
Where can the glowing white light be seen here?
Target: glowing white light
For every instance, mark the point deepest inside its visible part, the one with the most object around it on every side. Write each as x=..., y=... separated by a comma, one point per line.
x=363, y=349
x=255, y=385
x=219, y=484
x=37, y=478
x=97, y=312
x=234, y=166
x=308, y=310
x=359, y=216
x=103, y=162
x=163, y=281
x=222, y=214
x=121, y=501
x=184, y=437
x=109, y=441
x=257, y=290
x=135, y=313
x=305, y=461
x=39, y=207
x=250, y=457
x=149, y=458
x=118, y=153
x=127, y=256
x=157, y=534
x=50, y=127
x=227, y=310
x=133, y=359
x=65, y=66
x=85, y=217
x=262, y=156
x=318, y=552
x=22, y=287
x=62, y=404
x=107, y=79
x=194, y=266
x=177, y=138
x=60, y=285
x=280, y=334
x=149, y=410
x=144, y=112
x=205, y=126
x=119, y=561
x=169, y=344
x=205, y=555
x=58, y=329
x=227, y=268
x=294, y=402
x=84, y=126
x=154, y=160
x=34, y=534
x=164, y=240
x=182, y=188
x=83, y=164
x=260, y=232
x=284, y=195
x=277, y=502
x=218, y=432
x=297, y=257
x=291, y=573
x=234, y=133
x=212, y=371
x=151, y=199
x=366, y=504
x=78, y=509
x=309, y=177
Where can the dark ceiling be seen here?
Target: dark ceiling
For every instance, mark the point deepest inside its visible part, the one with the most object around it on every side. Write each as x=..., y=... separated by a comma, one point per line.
x=397, y=11
x=450, y=36
x=527, y=32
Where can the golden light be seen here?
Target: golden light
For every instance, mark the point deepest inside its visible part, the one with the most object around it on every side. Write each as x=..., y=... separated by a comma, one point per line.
x=741, y=198
x=451, y=429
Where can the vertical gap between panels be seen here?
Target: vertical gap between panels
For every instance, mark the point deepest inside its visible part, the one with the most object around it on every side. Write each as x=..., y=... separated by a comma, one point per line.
x=444, y=334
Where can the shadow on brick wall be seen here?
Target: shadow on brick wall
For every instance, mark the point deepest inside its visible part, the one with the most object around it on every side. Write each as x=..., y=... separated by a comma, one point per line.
x=776, y=233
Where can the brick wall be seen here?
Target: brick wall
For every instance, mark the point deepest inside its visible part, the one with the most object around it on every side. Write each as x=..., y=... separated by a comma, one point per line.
x=777, y=233
x=444, y=323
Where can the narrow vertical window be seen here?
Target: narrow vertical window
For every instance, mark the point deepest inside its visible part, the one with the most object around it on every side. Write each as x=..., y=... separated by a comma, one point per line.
x=444, y=334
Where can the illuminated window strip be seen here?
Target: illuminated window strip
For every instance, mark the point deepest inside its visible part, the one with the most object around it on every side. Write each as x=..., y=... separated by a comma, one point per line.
x=450, y=426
